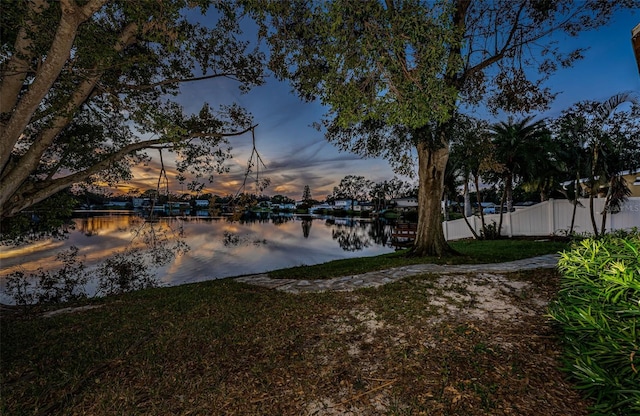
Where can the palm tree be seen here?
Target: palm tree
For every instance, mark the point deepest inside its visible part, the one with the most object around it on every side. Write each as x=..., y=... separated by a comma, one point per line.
x=470, y=155
x=520, y=148
x=571, y=153
x=617, y=149
x=606, y=142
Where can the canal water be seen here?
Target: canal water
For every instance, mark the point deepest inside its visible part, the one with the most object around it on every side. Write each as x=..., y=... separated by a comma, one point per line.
x=215, y=247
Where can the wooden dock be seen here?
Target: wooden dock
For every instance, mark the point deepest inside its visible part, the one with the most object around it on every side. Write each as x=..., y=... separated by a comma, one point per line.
x=404, y=233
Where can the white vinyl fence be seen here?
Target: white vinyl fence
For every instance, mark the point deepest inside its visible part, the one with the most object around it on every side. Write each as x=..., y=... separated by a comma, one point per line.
x=551, y=217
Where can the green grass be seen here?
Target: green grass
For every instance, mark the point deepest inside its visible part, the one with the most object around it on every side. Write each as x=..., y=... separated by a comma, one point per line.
x=472, y=252
x=221, y=347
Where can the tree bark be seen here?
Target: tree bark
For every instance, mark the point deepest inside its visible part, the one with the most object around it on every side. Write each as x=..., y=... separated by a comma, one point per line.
x=576, y=194
x=606, y=208
x=430, y=239
x=57, y=55
x=476, y=182
x=592, y=214
x=508, y=191
x=468, y=211
x=17, y=67
x=502, y=201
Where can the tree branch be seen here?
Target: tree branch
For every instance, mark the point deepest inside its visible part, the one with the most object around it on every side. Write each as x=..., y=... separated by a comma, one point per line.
x=229, y=75
x=508, y=48
x=505, y=47
x=17, y=67
x=10, y=180
x=31, y=194
x=45, y=76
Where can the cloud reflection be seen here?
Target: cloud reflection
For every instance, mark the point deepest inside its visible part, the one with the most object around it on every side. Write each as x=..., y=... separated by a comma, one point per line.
x=264, y=245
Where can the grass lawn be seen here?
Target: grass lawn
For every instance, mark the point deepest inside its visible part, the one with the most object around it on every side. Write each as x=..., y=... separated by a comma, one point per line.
x=472, y=252
x=417, y=346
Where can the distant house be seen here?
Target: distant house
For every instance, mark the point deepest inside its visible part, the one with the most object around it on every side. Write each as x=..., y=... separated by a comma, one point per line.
x=140, y=202
x=632, y=177
x=344, y=203
x=363, y=207
x=202, y=203
x=320, y=207
x=633, y=180
x=177, y=208
x=411, y=202
x=117, y=204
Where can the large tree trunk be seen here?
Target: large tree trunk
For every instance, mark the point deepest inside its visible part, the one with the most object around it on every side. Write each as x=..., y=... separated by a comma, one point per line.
x=430, y=239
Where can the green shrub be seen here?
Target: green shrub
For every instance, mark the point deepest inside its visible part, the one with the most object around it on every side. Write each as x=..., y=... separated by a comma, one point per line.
x=598, y=309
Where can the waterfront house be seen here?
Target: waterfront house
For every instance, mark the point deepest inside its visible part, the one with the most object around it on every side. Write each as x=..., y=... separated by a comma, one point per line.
x=405, y=203
x=631, y=177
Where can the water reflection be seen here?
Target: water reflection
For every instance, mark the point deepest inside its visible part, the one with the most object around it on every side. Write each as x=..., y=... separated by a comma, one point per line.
x=217, y=247
x=92, y=226
x=352, y=237
x=306, y=227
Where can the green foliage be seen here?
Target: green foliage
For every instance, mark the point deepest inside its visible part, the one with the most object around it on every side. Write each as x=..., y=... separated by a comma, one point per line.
x=64, y=285
x=490, y=231
x=49, y=218
x=352, y=187
x=154, y=246
x=598, y=141
x=598, y=309
x=125, y=272
x=393, y=74
x=87, y=90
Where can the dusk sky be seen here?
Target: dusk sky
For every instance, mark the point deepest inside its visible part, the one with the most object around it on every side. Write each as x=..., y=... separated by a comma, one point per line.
x=297, y=155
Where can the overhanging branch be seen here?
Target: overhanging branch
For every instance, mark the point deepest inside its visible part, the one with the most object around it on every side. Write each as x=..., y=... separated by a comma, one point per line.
x=31, y=194
x=229, y=75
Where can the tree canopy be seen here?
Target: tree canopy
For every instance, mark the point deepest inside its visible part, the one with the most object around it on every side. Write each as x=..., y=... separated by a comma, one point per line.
x=87, y=86
x=352, y=187
x=394, y=73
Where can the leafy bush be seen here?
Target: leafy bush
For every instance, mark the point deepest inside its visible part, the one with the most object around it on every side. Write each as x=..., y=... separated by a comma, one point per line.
x=598, y=309
x=50, y=218
x=63, y=285
x=152, y=246
x=124, y=272
x=490, y=231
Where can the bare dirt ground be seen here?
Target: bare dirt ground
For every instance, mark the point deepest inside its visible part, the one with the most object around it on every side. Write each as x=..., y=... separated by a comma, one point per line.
x=476, y=344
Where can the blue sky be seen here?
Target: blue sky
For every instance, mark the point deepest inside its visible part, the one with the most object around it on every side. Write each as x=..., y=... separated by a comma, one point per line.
x=297, y=155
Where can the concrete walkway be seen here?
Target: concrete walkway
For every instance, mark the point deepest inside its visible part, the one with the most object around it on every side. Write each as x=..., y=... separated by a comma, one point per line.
x=381, y=277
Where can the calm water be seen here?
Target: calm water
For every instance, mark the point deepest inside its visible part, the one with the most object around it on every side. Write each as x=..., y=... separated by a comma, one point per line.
x=217, y=247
